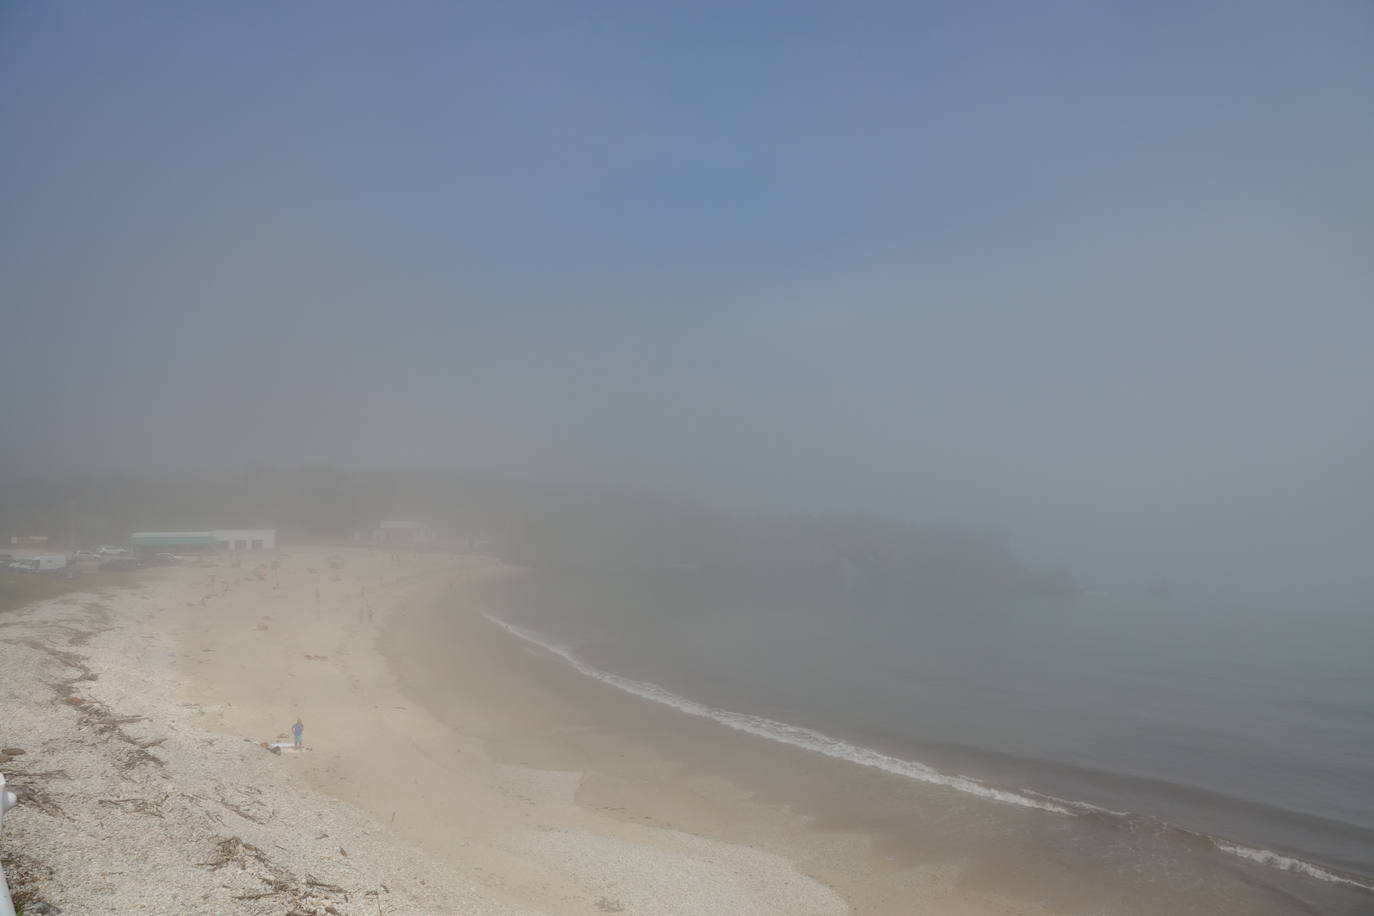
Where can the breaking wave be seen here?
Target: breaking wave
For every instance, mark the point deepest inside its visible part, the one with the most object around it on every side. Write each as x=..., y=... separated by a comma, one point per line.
x=812, y=740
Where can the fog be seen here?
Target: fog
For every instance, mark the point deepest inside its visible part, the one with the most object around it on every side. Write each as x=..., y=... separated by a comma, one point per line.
x=1096, y=277
x=677, y=458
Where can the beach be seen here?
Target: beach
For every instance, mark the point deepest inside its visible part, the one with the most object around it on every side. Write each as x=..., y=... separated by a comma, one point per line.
x=454, y=762
x=442, y=772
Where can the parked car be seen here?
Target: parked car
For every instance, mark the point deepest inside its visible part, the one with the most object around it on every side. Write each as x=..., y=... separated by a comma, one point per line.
x=44, y=564
x=87, y=555
x=168, y=559
x=107, y=551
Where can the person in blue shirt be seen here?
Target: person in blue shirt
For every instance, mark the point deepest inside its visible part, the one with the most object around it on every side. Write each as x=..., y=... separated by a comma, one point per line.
x=296, y=731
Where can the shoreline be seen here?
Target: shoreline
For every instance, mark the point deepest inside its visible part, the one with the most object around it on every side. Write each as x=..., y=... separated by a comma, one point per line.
x=1005, y=859
x=450, y=767
x=150, y=791
x=508, y=830
x=808, y=739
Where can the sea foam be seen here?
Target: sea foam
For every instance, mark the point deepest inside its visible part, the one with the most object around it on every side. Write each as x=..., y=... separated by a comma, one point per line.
x=812, y=740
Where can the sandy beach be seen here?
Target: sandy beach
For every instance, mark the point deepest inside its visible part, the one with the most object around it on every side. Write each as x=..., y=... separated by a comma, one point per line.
x=451, y=771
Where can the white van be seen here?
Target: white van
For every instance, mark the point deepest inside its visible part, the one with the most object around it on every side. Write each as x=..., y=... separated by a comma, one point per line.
x=46, y=564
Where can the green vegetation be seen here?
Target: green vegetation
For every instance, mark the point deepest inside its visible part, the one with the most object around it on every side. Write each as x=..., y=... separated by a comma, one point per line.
x=20, y=588
x=850, y=564
x=307, y=503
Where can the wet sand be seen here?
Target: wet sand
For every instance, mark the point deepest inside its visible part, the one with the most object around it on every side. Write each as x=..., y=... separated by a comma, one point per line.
x=885, y=843
x=469, y=772
x=538, y=788
x=510, y=830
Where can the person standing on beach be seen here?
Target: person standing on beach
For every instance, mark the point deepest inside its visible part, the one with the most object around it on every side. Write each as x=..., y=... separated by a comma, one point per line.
x=296, y=731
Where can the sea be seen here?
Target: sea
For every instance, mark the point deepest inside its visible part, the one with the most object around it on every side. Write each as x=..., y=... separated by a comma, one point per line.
x=1244, y=732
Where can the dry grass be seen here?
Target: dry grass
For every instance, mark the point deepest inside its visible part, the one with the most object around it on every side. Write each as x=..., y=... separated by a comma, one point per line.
x=138, y=757
x=31, y=788
x=95, y=715
x=242, y=812
x=70, y=659
x=305, y=897
x=145, y=806
x=234, y=851
x=24, y=877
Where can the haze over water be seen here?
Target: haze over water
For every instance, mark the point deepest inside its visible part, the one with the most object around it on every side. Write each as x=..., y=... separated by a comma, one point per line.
x=1253, y=733
x=1097, y=276
x=1092, y=281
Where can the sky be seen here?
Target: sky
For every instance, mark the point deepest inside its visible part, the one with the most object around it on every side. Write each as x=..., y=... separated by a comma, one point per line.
x=1101, y=274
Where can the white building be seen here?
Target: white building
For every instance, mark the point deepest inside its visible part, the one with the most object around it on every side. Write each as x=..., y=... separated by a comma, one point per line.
x=246, y=538
x=219, y=539
x=403, y=534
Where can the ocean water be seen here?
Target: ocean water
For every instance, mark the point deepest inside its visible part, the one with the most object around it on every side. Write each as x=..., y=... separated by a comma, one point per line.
x=1246, y=731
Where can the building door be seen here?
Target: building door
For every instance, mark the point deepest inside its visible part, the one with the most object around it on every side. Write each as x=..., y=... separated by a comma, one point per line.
x=257, y=544
x=240, y=545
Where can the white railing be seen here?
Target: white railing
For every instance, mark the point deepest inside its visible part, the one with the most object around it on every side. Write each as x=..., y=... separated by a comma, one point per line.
x=7, y=801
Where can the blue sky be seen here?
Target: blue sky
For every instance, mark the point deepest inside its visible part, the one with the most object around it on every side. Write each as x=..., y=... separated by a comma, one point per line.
x=1086, y=270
